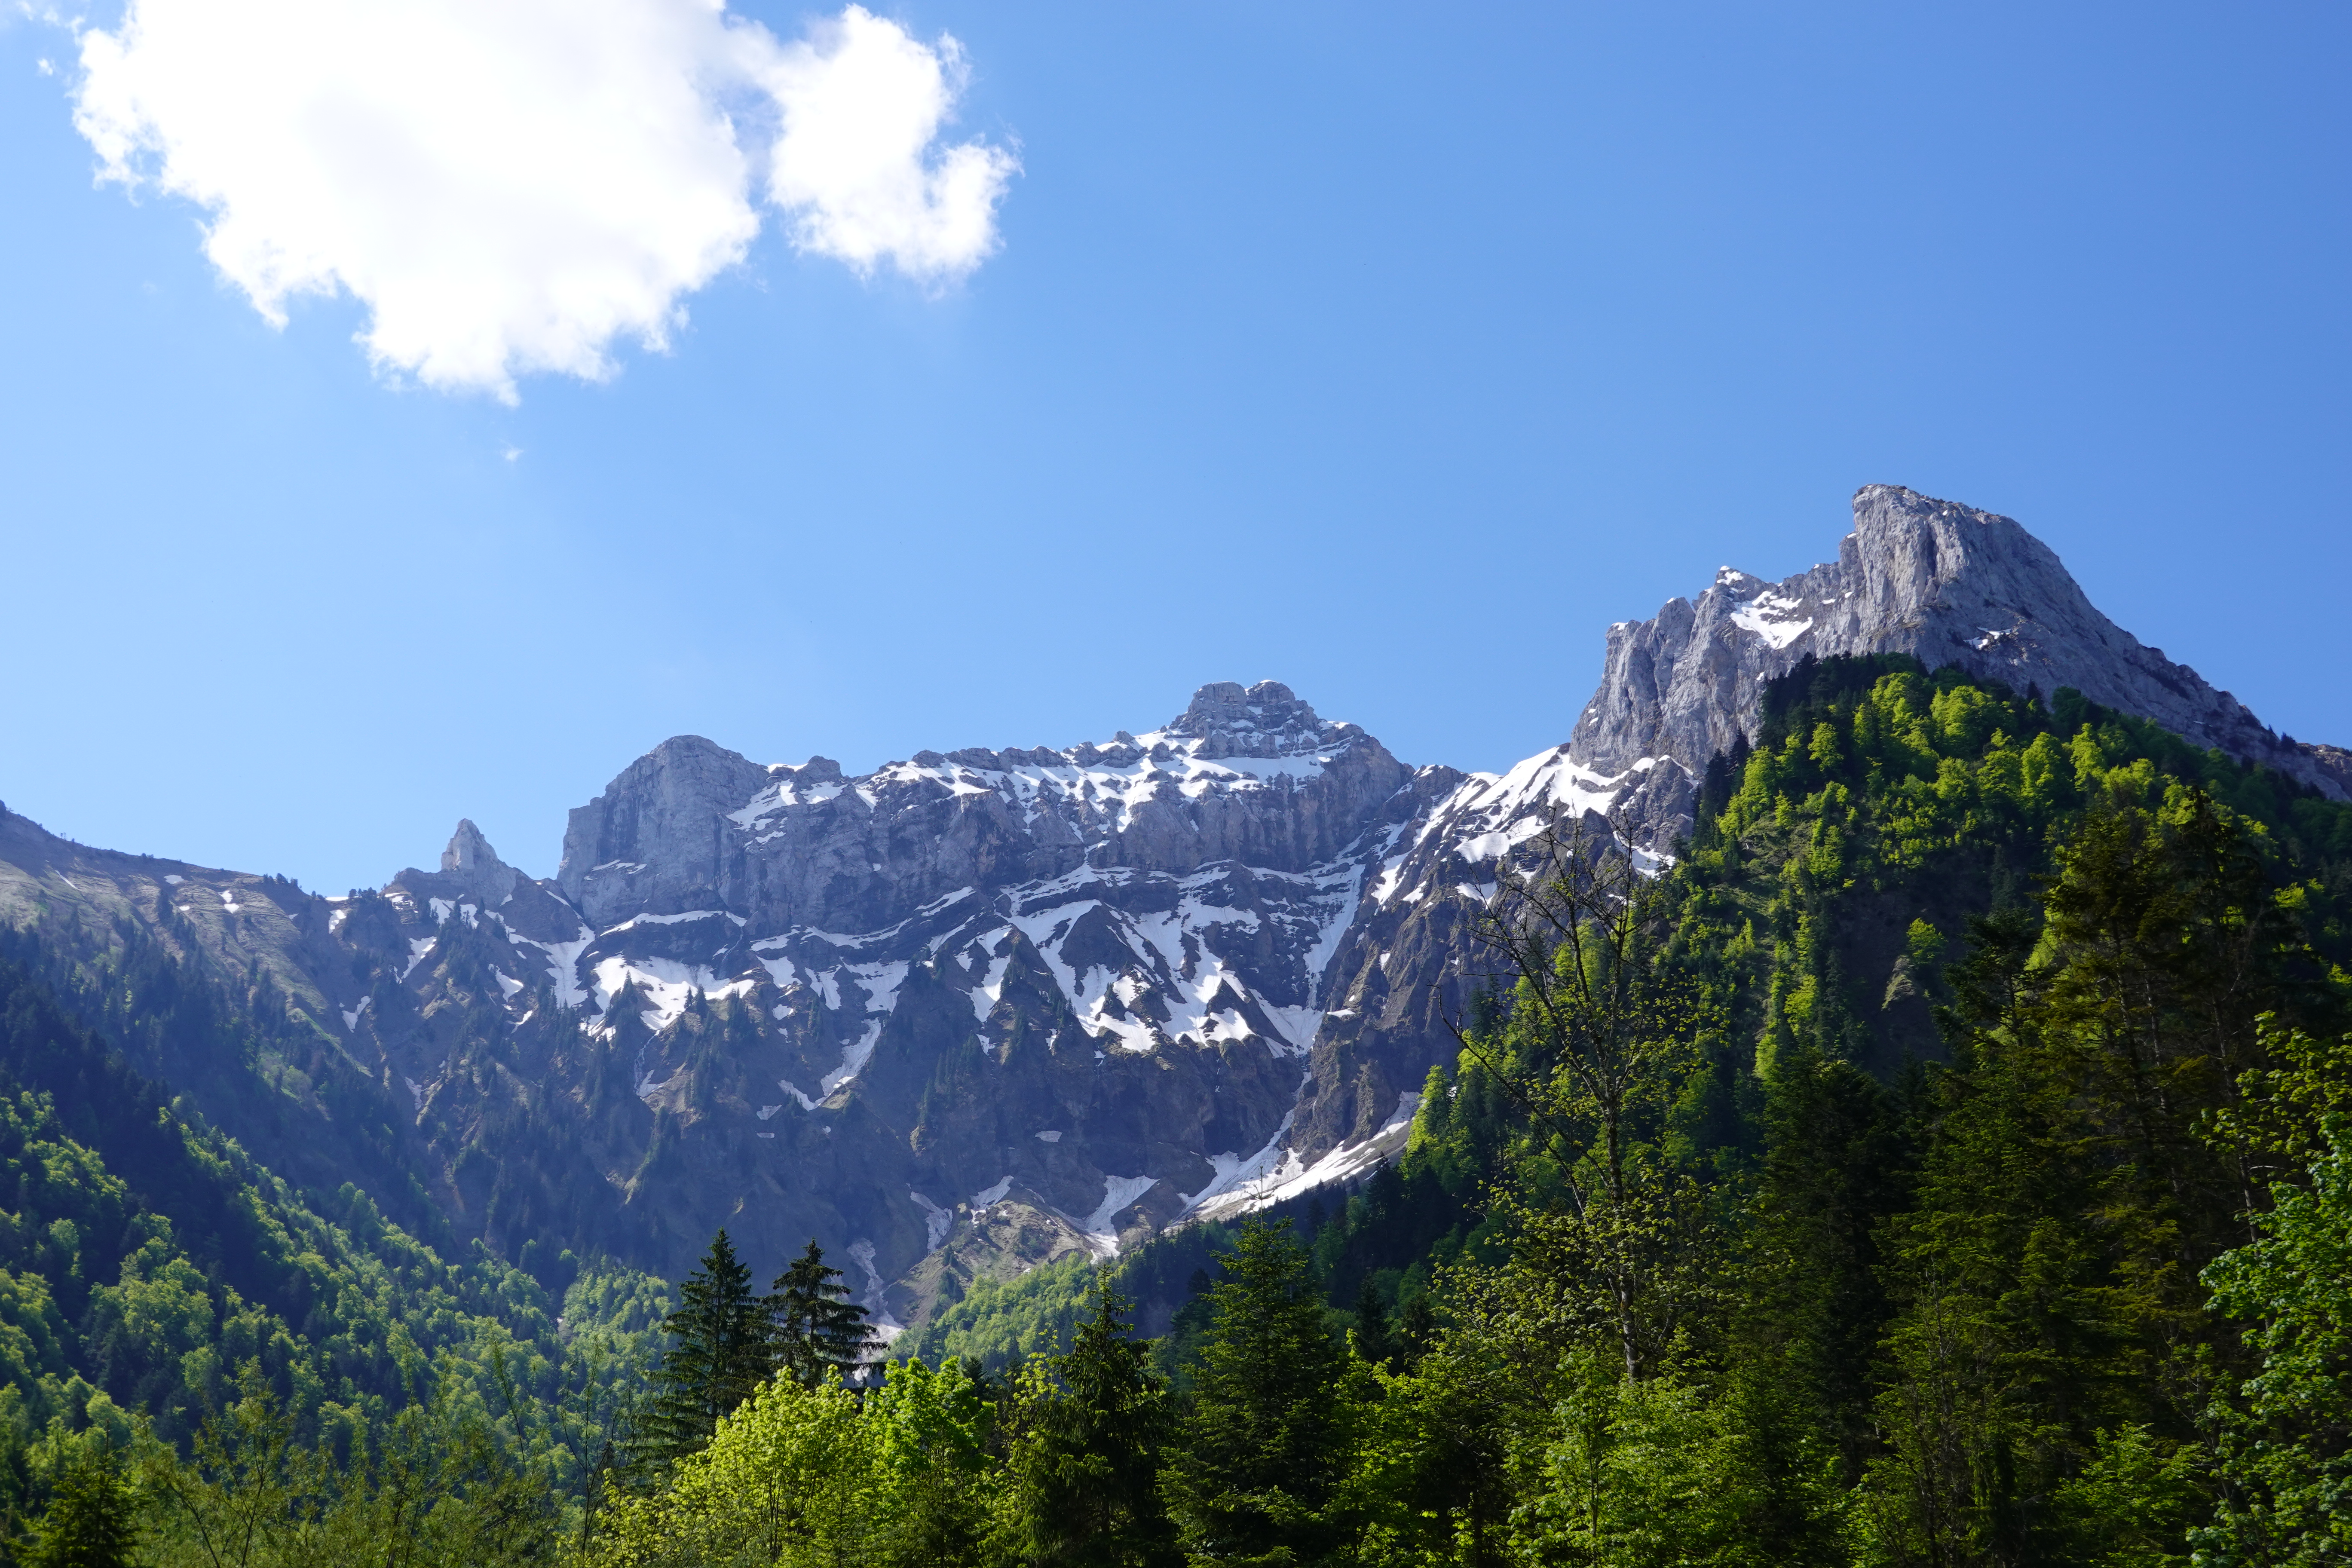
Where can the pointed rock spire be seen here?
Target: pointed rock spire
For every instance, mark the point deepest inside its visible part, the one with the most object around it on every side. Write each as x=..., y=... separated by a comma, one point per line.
x=470, y=856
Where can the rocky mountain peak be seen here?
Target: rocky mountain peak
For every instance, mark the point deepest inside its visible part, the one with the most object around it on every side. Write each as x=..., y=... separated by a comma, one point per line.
x=1266, y=720
x=476, y=866
x=1945, y=583
x=469, y=849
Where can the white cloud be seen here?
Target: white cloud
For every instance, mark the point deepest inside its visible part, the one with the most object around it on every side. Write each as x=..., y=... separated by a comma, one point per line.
x=862, y=103
x=511, y=185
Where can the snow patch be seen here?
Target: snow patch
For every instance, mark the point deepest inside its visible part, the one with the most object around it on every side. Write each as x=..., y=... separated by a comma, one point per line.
x=1234, y=1171
x=1772, y=617
x=1292, y=1178
x=877, y=1311
x=670, y=919
x=664, y=984
x=880, y=983
x=937, y=1222
x=854, y=1058
x=1118, y=1192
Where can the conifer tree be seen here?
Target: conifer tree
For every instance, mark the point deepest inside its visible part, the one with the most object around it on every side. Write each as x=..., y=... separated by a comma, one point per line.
x=815, y=1328
x=2284, y=1447
x=718, y=1356
x=1270, y=1438
x=1375, y=1341
x=88, y=1521
x=1085, y=1462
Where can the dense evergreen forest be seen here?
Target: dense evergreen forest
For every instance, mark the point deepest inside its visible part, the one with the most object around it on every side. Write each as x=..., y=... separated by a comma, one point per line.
x=1946, y=1160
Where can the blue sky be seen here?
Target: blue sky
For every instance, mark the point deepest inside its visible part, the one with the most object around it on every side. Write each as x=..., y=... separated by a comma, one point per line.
x=1392, y=353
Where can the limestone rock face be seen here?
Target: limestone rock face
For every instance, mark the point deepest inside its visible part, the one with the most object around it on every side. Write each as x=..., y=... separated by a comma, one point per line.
x=1945, y=583
x=476, y=866
x=1087, y=978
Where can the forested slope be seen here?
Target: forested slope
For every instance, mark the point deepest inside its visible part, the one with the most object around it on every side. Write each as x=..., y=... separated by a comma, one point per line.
x=148, y=1262
x=1890, y=1181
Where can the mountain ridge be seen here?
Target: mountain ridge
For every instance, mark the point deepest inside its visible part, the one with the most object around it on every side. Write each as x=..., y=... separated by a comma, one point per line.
x=977, y=1009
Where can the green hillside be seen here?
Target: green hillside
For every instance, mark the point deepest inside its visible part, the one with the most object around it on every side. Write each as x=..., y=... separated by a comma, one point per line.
x=147, y=1261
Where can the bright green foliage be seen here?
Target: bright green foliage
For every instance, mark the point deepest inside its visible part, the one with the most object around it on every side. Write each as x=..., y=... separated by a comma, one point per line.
x=1089, y=1429
x=998, y=1322
x=938, y=1479
x=442, y=1489
x=794, y=1476
x=812, y=1476
x=1881, y=800
x=91, y=1521
x=1433, y=1482
x=2286, y=1445
x=2051, y=1337
x=1651, y=1473
x=1884, y=1307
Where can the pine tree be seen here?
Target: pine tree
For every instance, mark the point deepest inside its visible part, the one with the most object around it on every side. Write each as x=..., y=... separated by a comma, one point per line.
x=1270, y=1436
x=815, y=1327
x=1375, y=1341
x=1087, y=1457
x=88, y=1523
x=1812, y=1302
x=719, y=1355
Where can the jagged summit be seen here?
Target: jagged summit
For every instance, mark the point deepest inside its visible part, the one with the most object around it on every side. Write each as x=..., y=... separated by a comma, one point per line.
x=1266, y=720
x=469, y=852
x=1943, y=582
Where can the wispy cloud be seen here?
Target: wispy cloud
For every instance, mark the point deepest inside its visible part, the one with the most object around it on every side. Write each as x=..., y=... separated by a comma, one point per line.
x=510, y=186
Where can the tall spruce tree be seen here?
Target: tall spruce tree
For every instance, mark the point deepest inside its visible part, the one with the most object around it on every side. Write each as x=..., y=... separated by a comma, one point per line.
x=90, y=1522
x=1087, y=1457
x=719, y=1355
x=2053, y=1356
x=1259, y=1468
x=815, y=1327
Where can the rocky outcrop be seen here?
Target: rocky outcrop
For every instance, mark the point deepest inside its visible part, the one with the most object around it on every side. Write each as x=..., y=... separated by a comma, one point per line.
x=1084, y=981
x=1944, y=583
